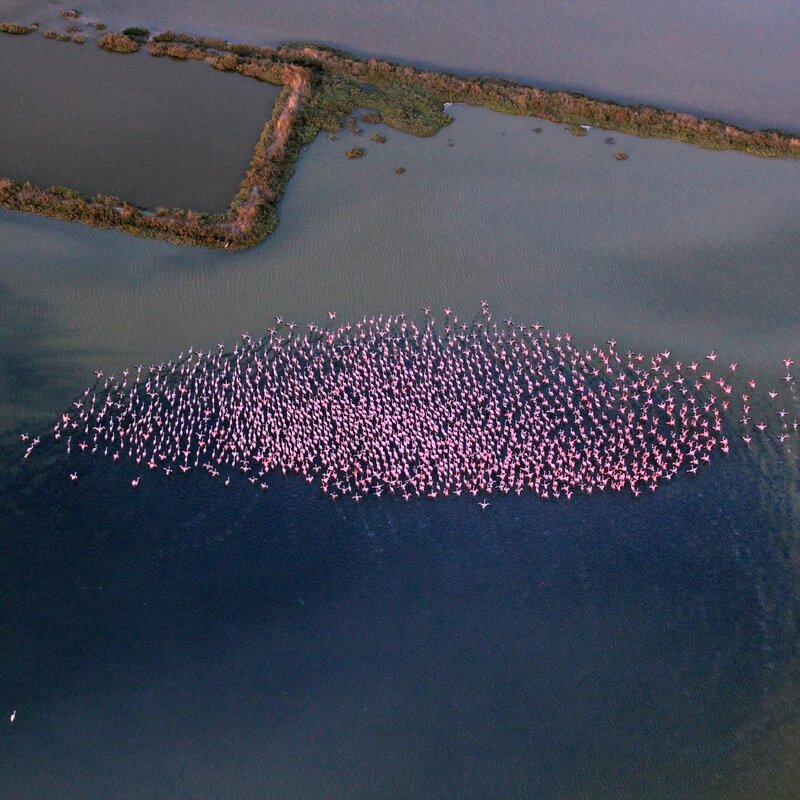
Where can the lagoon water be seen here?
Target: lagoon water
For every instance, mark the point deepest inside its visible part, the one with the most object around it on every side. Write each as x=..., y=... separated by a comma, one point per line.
x=185, y=639
x=147, y=130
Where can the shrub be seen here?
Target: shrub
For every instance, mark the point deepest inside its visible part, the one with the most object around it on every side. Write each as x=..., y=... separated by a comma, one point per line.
x=69, y=13
x=135, y=32
x=356, y=152
x=100, y=26
x=378, y=137
x=226, y=63
x=179, y=51
x=620, y=156
x=19, y=30
x=78, y=39
x=118, y=43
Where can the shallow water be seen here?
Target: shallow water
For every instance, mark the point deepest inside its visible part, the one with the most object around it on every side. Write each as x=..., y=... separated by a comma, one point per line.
x=675, y=248
x=149, y=130
x=193, y=640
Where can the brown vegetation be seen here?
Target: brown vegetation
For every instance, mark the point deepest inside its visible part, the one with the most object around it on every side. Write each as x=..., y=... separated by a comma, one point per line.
x=378, y=137
x=117, y=43
x=59, y=37
x=69, y=13
x=18, y=30
x=356, y=152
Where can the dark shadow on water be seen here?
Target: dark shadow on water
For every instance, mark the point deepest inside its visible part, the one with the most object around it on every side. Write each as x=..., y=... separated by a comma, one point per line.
x=601, y=647
x=30, y=337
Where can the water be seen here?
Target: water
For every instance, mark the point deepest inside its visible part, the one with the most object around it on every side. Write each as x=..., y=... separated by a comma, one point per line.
x=69, y=123
x=193, y=640
x=283, y=644
x=736, y=61
x=675, y=248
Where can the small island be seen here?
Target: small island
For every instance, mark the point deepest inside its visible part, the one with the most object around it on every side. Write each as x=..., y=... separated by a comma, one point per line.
x=320, y=88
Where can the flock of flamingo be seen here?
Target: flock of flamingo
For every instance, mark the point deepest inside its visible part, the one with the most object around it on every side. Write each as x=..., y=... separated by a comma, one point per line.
x=387, y=406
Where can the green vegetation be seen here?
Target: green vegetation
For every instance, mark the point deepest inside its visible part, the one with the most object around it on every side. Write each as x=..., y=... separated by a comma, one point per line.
x=135, y=32
x=118, y=43
x=322, y=89
x=18, y=30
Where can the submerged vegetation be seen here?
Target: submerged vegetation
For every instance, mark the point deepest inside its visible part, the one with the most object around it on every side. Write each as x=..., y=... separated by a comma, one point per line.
x=322, y=88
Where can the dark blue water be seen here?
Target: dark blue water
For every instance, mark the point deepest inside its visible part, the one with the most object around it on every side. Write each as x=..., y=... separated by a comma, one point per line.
x=187, y=639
